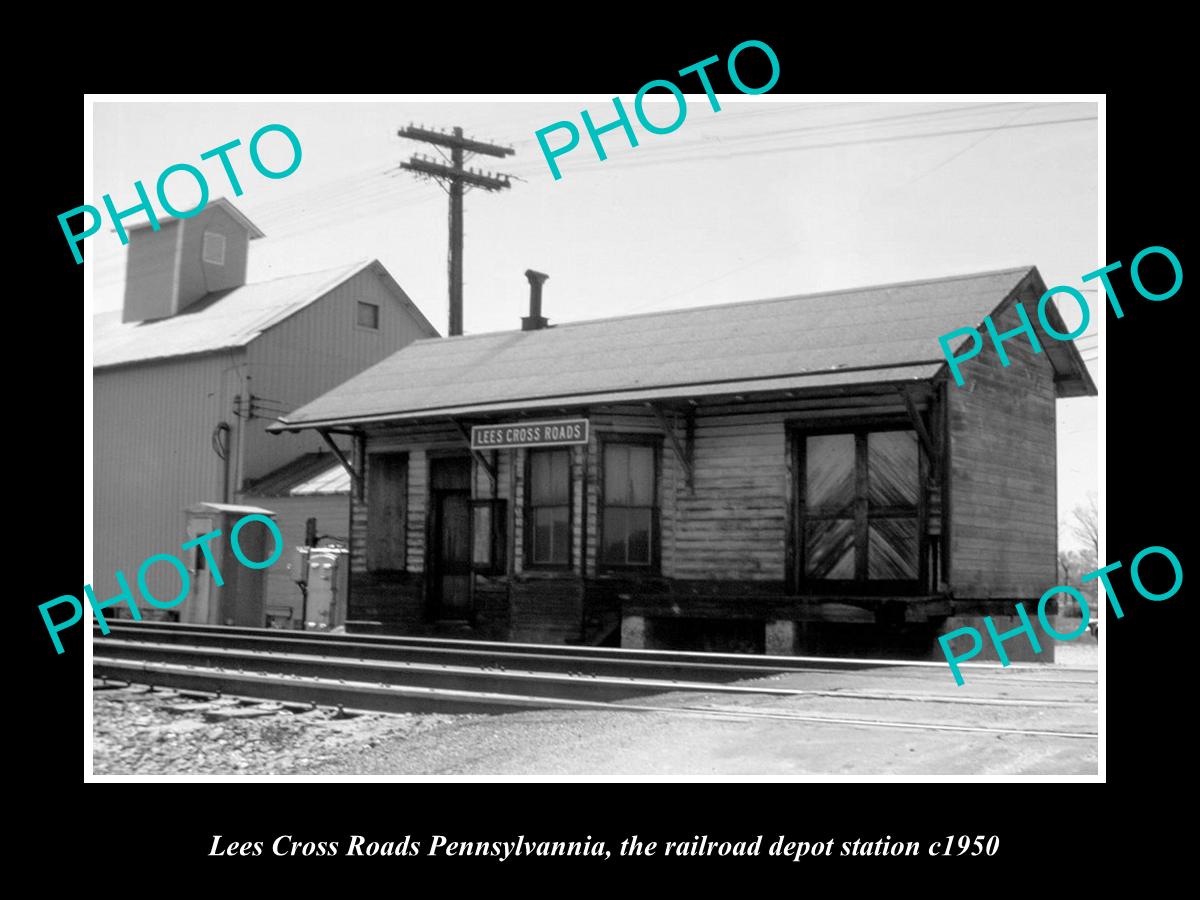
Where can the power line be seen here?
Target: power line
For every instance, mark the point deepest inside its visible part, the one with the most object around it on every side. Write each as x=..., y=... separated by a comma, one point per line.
x=970, y=146
x=371, y=194
x=365, y=194
x=352, y=201
x=628, y=163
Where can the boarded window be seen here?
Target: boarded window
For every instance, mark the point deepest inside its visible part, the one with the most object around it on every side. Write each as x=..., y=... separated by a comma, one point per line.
x=549, y=508
x=630, y=505
x=368, y=315
x=860, y=506
x=214, y=248
x=386, y=509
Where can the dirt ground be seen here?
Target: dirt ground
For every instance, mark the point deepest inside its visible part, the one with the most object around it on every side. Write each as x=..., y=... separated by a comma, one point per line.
x=137, y=732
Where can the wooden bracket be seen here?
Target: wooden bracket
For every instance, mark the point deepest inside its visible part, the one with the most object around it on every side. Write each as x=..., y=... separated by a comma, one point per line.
x=479, y=457
x=683, y=455
x=935, y=456
x=355, y=475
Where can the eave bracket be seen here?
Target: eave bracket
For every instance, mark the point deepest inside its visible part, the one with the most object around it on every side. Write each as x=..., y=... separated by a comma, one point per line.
x=355, y=475
x=483, y=461
x=683, y=454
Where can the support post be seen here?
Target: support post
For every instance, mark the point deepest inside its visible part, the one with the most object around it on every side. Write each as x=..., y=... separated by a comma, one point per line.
x=935, y=459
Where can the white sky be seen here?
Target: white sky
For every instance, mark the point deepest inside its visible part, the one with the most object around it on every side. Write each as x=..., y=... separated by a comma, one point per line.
x=765, y=198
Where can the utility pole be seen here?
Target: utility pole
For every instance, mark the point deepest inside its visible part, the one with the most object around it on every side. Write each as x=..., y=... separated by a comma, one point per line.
x=454, y=179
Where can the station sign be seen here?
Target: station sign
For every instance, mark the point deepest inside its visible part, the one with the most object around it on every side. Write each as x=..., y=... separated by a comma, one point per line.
x=555, y=433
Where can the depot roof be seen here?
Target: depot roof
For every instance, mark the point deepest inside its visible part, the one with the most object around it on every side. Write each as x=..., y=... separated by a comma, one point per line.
x=886, y=333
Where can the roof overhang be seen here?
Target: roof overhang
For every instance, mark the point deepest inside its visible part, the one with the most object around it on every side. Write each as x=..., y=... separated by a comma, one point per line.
x=835, y=380
x=251, y=229
x=1071, y=375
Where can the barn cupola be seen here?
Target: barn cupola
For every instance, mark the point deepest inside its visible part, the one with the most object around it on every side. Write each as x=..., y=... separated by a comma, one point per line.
x=168, y=270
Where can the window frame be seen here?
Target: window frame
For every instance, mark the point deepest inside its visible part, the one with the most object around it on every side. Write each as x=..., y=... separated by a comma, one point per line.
x=860, y=428
x=655, y=443
x=378, y=316
x=529, y=509
x=204, y=246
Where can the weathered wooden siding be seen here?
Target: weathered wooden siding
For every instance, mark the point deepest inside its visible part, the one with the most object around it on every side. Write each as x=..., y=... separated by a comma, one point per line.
x=152, y=457
x=418, y=507
x=516, y=460
x=1003, y=504
x=312, y=352
x=726, y=537
x=733, y=526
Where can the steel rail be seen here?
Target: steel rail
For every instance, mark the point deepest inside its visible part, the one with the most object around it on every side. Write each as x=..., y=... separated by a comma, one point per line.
x=681, y=665
x=369, y=697
x=509, y=681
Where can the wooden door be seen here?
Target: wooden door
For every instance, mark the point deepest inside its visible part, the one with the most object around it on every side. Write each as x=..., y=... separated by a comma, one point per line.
x=450, y=545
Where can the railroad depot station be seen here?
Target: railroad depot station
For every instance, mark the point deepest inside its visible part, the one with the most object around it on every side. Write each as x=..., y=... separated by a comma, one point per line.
x=784, y=476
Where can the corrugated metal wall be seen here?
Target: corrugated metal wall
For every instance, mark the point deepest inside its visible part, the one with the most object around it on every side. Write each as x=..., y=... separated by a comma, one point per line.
x=313, y=351
x=153, y=451
x=196, y=277
x=332, y=513
x=152, y=457
x=150, y=286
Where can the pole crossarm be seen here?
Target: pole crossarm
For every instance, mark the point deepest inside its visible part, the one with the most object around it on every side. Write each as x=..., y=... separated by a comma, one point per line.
x=455, y=179
x=454, y=141
x=484, y=180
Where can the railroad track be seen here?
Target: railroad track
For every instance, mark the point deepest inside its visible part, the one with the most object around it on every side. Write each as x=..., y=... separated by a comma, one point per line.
x=497, y=655
x=369, y=673
x=363, y=697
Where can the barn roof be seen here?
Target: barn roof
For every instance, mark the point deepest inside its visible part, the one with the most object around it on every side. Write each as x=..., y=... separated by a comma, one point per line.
x=252, y=230
x=223, y=319
x=874, y=334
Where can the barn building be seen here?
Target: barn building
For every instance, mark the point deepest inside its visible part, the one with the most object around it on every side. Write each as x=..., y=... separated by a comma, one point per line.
x=787, y=475
x=193, y=367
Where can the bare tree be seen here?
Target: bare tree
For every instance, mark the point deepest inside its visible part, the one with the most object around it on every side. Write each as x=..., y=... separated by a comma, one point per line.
x=1085, y=524
x=1066, y=568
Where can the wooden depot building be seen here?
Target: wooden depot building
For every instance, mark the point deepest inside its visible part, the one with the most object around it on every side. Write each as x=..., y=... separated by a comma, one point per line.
x=783, y=476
